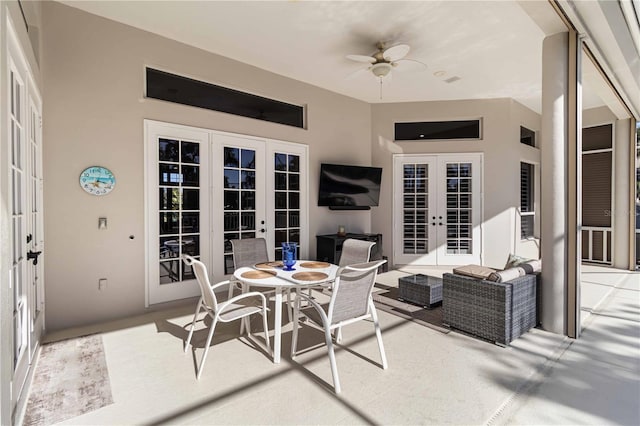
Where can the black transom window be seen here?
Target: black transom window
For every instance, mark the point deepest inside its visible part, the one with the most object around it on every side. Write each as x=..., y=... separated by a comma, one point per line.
x=186, y=91
x=527, y=137
x=434, y=130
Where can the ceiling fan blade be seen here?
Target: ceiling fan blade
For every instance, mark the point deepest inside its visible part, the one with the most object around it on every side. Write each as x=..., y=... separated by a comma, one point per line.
x=362, y=58
x=396, y=53
x=409, y=65
x=357, y=74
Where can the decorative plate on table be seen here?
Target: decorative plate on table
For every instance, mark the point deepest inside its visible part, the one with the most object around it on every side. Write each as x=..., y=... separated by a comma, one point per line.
x=315, y=265
x=268, y=265
x=256, y=275
x=309, y=276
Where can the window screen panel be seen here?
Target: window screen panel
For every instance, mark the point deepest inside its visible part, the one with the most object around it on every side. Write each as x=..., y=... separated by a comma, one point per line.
x=596, y=189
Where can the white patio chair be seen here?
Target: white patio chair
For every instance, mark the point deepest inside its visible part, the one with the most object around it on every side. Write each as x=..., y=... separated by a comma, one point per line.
x=236, y=308
x=355, y=251
x=351, y=301
x=247, y=252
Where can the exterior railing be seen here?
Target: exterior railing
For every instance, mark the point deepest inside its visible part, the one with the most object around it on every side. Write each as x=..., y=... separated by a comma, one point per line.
x=596, y=253
x=638, y=248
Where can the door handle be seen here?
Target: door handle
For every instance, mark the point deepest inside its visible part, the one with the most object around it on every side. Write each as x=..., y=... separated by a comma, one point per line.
x=33, y=255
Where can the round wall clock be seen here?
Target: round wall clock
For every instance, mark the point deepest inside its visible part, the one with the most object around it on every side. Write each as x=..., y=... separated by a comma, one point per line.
x=97, y=180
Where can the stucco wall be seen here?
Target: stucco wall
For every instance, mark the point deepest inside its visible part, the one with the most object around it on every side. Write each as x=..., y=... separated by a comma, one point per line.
x=93, y=114
x=500, y=143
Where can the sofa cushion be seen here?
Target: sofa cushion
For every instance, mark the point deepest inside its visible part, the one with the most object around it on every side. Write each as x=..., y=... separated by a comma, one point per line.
x=531, y=266
x=514, y=260
x=474, y=271
x=507, y=274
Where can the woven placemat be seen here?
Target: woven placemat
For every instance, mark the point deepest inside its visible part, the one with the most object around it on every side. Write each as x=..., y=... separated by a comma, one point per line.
x=268, y=265
x=256, y=275
x=315, y=265
x=309, y=276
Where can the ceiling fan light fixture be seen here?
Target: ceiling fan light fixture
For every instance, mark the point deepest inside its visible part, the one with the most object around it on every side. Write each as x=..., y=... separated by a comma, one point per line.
x=381, y=69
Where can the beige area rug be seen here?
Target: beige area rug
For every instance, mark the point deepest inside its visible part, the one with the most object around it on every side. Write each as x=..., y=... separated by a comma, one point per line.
x=71, y=378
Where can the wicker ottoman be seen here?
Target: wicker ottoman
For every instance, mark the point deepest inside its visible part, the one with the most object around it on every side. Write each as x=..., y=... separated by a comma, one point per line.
x=421, y=290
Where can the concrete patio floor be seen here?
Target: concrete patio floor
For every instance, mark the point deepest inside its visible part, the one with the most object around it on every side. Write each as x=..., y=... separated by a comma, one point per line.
x=433, y=377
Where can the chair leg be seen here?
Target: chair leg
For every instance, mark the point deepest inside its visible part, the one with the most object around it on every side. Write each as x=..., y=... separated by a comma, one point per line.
x=242, y=321
x=294, y=336
x=230, y=291
x=339, y=335
x=266, y=329
x=206, y=347
x=193, y=325
x=332, y=360
x=376, y=324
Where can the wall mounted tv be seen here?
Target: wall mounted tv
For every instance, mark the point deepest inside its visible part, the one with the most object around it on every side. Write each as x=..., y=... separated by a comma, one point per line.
x=345, y=187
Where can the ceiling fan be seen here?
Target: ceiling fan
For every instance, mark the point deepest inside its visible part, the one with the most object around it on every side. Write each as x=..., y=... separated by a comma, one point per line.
x=385, y=59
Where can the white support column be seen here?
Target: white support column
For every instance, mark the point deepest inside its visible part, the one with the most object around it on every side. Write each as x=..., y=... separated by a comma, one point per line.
x=560, y=174
x=622, y=206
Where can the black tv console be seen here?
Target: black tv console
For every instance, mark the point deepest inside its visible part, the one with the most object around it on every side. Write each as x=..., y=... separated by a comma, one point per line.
x=329, y=247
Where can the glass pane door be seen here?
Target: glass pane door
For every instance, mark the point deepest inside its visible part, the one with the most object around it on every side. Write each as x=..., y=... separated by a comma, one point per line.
x=35, y=234
x=415, y=210
x=239, y=183
x=286, y=200
x=179, y=189
x=437, y=209
x=18, y=282
x=178, y=215
x=459, y=196
x=238, y=196
x=288, y=206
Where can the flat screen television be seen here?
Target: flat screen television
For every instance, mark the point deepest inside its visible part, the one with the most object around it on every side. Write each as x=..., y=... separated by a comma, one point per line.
x=345, y=187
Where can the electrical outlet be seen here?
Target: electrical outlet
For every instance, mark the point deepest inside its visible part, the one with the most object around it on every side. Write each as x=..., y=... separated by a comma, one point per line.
x=102, y=284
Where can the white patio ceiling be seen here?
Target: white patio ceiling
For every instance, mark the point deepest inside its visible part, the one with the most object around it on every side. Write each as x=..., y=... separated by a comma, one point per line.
x=493, y=47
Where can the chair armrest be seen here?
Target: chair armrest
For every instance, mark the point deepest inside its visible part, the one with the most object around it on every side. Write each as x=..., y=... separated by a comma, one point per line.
x=226, y=303
x=220, y=284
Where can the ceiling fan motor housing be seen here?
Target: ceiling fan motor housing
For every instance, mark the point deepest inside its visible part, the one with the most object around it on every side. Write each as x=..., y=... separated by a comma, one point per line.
x=381, y=69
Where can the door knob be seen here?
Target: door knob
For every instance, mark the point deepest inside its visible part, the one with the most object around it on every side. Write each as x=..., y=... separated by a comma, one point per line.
x=263, y=230
x=33, y=255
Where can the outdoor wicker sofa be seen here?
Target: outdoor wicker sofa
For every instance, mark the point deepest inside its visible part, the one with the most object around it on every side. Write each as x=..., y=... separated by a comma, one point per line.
x=497, y=311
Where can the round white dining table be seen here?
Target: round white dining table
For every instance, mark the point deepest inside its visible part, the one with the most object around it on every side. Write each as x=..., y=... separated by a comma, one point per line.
x=305, y=273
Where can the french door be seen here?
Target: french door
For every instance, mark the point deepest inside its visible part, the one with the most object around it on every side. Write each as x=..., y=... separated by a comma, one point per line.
x=437, y=209
x=27, y=236
x=239, y=187
x=177, y=180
